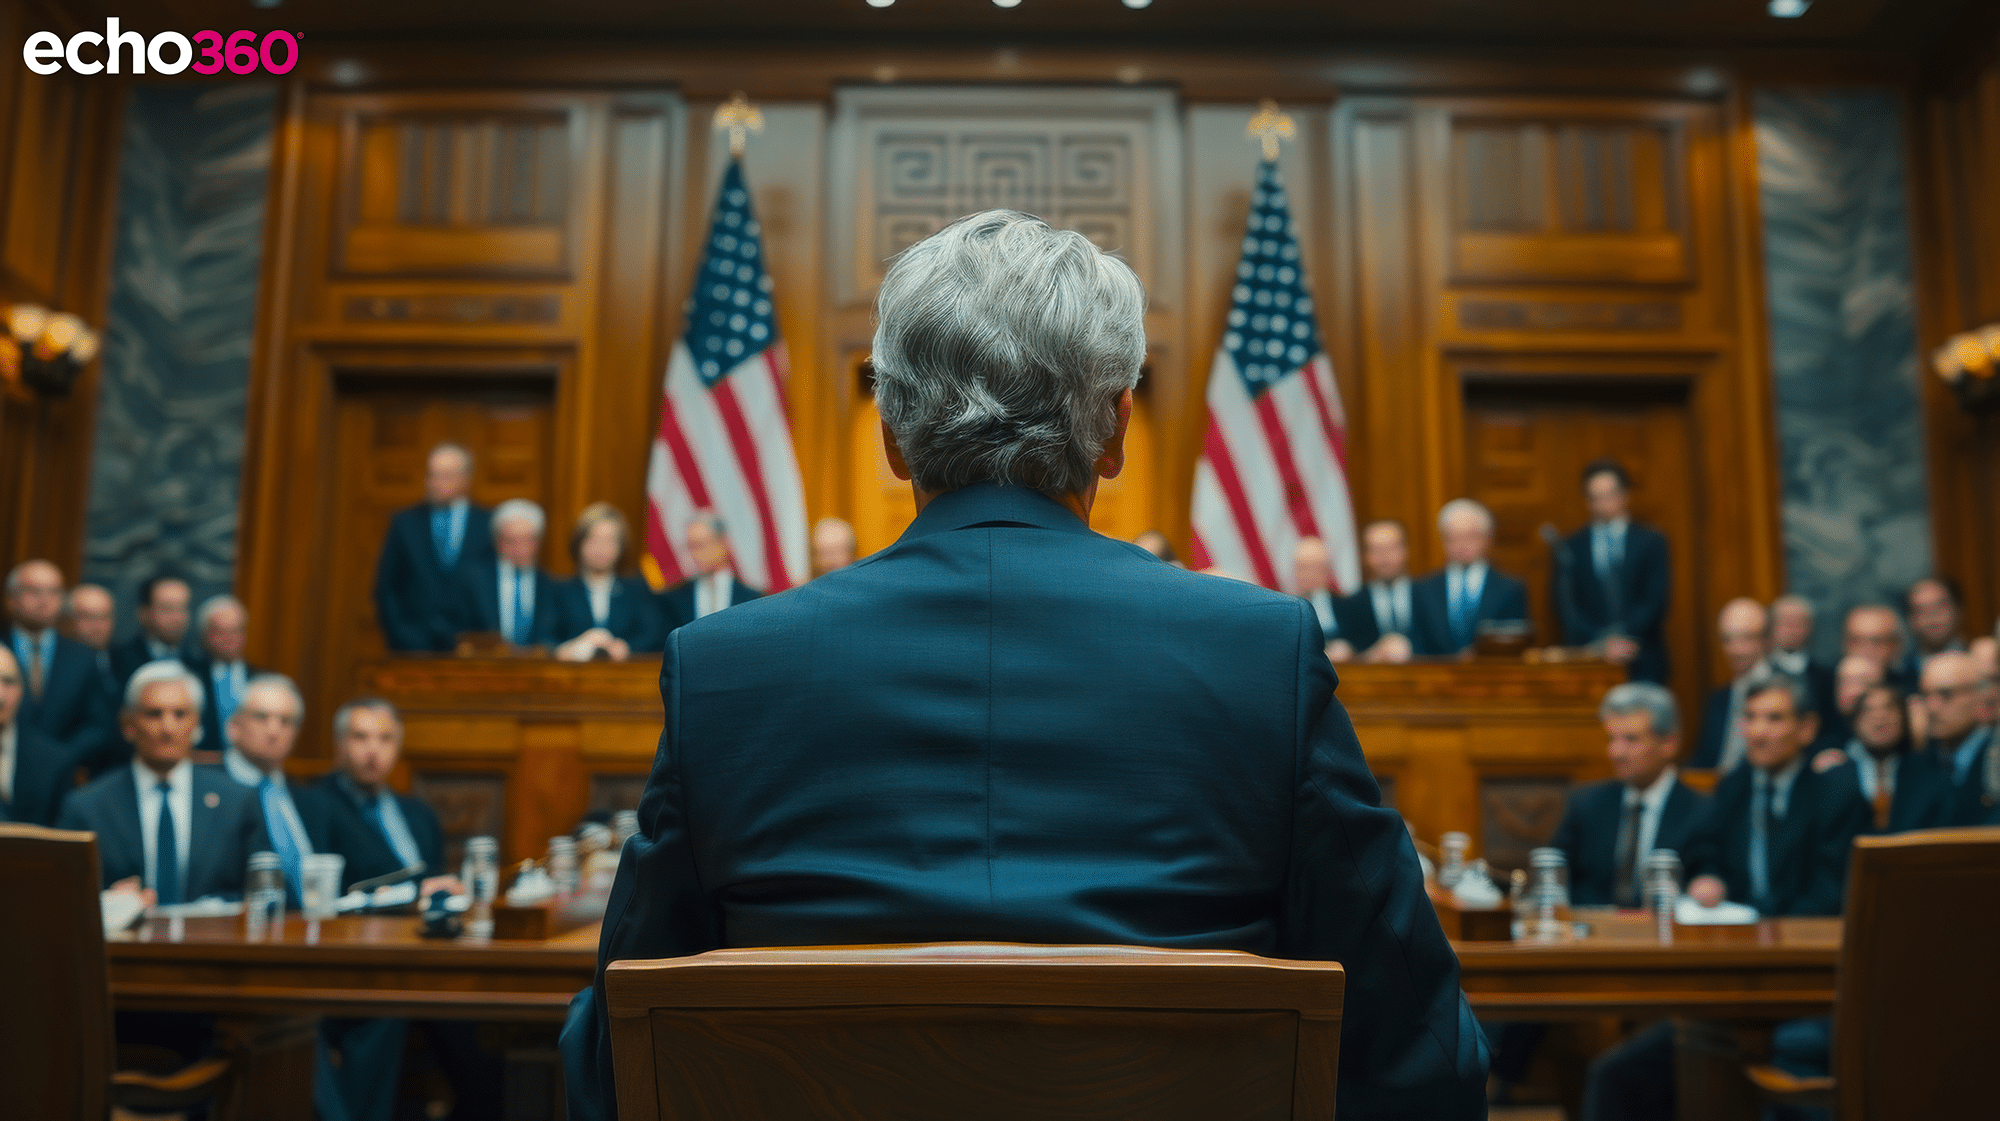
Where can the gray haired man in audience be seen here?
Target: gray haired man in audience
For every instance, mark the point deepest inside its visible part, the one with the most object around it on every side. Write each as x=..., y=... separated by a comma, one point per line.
x=507, y=593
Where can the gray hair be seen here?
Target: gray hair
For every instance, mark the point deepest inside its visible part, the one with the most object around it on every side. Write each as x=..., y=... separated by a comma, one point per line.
x=213, y=604
x=161, y=673
x=1459, y=506
x=280, y=682
x=1001, y=348
x=1646, y=697
x=519, y=510
x=342, y=715
x=1794, y=687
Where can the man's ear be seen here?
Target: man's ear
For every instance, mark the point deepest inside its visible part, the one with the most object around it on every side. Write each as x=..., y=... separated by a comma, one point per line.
x=896, y=464
x=1112, y=459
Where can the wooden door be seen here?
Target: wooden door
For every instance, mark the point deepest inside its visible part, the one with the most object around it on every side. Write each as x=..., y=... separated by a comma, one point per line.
x=386, y=432
x=1526, y=447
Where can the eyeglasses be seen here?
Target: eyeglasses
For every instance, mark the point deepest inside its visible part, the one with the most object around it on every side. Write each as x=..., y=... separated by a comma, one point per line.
x=1946, y=692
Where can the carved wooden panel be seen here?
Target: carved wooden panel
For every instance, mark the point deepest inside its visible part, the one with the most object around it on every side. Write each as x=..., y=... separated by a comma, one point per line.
x=438, y=190
x=908, y=161
x=1537, y=199
x=462, y=308
x=1518, y=814
x=468, y=804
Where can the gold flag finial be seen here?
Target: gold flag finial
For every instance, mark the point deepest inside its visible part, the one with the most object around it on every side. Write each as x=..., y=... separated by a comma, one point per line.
x=740, y=116
x=1270, y=126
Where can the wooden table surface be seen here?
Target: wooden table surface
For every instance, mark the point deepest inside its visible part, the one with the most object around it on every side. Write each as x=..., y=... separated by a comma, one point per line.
x=378, y=966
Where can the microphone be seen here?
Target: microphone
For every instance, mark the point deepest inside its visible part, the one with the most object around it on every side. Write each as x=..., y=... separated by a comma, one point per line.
x=388, y=878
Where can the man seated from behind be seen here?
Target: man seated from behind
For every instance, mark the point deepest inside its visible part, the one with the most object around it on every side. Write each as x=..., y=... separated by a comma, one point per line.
x=506, y=592
x=186, y=830
x=35, y=771
x=1377, y=620
x=1450, y=604
x=260, y=734
x=966, y=748
x=1742, y=629
x=221, y=627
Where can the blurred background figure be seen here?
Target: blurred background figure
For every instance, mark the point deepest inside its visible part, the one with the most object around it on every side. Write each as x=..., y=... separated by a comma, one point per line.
x=1933, y=607
x=1873, y=631
x=428, y=545
x=507, y=593
x=64, y=696
x=714, y=585
x=1743, y=629
x=1156, y=543
x=261, y=732
x=221, y=627
x=600, y=613
x=164, y=606
x=1376, y=621
x=35, y=771
x=1451, y=603
x=833, y=545
x=1613, y=584
x=89, y=617
x=1312, y=574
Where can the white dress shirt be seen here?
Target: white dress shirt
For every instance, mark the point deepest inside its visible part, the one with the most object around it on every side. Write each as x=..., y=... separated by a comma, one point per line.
x=1607, y=544
x=244, y=771
x=161, y=651
x=599, y=588
x=1653, y=803
x=1471, y=578
x=1792, y=663
x=180, y=780
x=9, y=756
x=1322, y=604
x=1865, y=768
x=711, y=592
x=506, y=590
x=1392, y=605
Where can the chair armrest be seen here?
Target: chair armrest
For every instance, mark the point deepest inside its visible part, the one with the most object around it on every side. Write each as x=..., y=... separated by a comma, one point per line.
x=161, y=1093
x=1786, y=1088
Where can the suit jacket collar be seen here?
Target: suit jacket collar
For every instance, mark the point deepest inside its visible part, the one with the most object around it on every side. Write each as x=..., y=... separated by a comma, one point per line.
x=988, y=504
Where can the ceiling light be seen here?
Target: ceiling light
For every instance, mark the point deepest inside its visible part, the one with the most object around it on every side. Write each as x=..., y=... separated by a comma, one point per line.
x=880, y=3
x=1005, y=3
x=1788, y=9
x=1137, y=3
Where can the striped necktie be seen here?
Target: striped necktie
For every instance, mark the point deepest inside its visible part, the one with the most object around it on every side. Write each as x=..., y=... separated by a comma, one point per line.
x=283, y=841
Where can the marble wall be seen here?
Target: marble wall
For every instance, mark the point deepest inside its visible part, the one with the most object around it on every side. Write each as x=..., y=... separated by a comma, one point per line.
x=1843, y=347
x=170, y=428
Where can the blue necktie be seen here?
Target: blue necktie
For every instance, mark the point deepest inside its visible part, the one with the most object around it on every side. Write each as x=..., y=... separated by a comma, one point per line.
x=167, y=852
x=404, y=846
x=520, y=637
x=225, y=694
x=282, y=841
x=442, y=536
x=1463, y=612
x=1760, y=843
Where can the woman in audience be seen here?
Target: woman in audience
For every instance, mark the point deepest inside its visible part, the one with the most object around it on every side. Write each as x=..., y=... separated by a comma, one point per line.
x=601, y=614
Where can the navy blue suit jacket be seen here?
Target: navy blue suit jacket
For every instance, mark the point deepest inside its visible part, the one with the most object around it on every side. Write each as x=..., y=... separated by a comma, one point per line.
x=1645, y=579
x=635, y=613
x=677, y=602
x=478, y=602
x=1808, y=846
x=1714, y=730
x=416, y=602
x=351, y=832
x=222, y=839
x=133, y=652
x=1501, y=598
x=44, y=771
x=961, y=743
x=1588, y=835
x=213, y=735
x=72, y=709
x=1971, y=804
x=1923, y=799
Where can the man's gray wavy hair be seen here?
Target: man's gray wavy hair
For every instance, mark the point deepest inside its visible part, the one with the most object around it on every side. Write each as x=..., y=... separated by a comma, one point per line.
x=1001, y=347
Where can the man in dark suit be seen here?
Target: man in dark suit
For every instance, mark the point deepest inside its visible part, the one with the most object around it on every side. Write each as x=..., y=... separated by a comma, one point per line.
x=1450, y=604
x=1905, y=788
x=261, y=732
x=1312, y=577
x=1793, y=618
x=1376, y=621
x=714, y=585
x=416, y=599
x=188, y=831
x=507, y=593
x=1743, y=628
x=35, y=771
x=221, y=626
x=65, y=698
x=164, y=603
x=960, y=745
x=89, y=616
x=1873, y=630
x=1935, y=608
x=1612, y=579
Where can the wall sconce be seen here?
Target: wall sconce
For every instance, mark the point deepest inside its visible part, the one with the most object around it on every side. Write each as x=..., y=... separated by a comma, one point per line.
x=42, y=352
x=1967, y=363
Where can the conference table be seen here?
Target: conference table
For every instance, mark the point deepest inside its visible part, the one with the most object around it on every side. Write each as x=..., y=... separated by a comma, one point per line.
x=379, y=966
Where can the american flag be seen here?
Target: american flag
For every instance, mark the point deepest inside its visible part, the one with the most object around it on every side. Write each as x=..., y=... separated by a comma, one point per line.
x=725, y=440
x=1274, y=468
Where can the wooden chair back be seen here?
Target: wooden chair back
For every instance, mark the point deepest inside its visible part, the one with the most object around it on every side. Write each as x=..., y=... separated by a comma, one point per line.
x=976, y=1032
x=1913, y=1032
x=56, y=1038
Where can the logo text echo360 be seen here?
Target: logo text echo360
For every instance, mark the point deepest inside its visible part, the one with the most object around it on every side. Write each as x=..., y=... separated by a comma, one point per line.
x=170, y=52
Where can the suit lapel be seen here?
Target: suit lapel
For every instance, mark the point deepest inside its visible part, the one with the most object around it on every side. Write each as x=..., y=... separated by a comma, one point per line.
x=202, y=839
x=125, y=837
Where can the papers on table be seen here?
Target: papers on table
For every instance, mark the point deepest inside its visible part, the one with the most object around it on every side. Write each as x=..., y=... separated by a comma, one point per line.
x=1689, y=913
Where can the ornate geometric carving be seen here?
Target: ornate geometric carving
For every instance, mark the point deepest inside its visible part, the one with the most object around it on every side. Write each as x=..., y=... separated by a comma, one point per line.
x=1568, y=315
x=1518, y=814
x=454, y=309
x=468, y=804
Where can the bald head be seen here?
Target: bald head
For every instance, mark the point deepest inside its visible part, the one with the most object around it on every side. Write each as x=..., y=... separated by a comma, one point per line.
x=833, y=545
x=1742, y=626
x=34, y=594
x=1851, y=678
x=1873, y=631
x=92, y=615
x=1312, y=568
x=1952, y=695
x=1791, y=623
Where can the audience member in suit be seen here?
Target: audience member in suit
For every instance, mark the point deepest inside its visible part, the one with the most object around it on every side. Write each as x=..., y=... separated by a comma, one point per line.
x=164, y=602
x=601, y=614
x=1614, y=577
x=429, y=544
x=508, y=594
x=64, y=695
x=187, y=831
x=1156, y=543
x=1792, y=621
x=1377, y=620
x=1776, y=836
x=89, y=616
x=1609, y=828
x=379, y=832
x=1449, y=605
x=1874, y=631
x=1742, y=628
x=261, y=732
x=894, y=789
x=1905, y=788
x=35, y=771
x=1312, y=574
x=834, y=546
x=221, y=626
x=1854, y=675
x=1953, y=693
x=1935, y=608
x=714, y=585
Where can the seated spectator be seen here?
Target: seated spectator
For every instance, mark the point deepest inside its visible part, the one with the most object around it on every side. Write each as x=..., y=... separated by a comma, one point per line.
x=221, y=627
x=35, y=771
x=63, y=696
x=714, y=585
x=1312, y=572
x=1905, y=788
x=1377, y=620
x=426, y=550
x=1935, y=609
x=378, y=830
x=1449, y=605
x=261, y=732
x=1156, y=543
x=1792, y=621
x=186, y=830
x=833, y=545
x=1953, y=697
x=507, y=593
x=1874, y=631
x=164, y=603
x=1742, y=628
x=600, y=613
x=89, y=616
x=1851, y=677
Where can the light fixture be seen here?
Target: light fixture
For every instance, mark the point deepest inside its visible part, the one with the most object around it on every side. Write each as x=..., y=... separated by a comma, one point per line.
x=1787, y=9
x=1005, y=3
x=880, y=3
x=1135, y=4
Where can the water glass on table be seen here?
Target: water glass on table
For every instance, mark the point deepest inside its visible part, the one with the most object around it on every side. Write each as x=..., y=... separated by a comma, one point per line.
x=319, y=893
x=263, y=896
